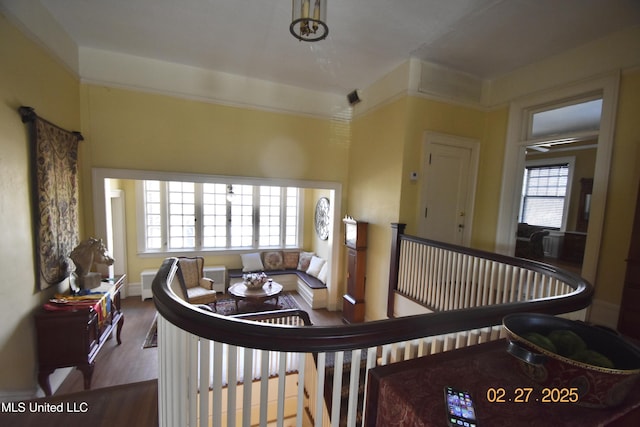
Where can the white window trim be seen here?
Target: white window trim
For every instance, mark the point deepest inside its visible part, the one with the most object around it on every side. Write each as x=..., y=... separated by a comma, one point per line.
x=99, y=175
x=165, y=250
x=571, y=161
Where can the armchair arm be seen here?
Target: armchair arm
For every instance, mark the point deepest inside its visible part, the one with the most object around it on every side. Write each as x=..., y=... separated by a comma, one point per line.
x=206, y=283
x=537, y=236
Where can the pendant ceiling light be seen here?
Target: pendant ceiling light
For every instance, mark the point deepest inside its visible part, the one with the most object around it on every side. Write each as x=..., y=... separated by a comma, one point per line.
x=308, y=22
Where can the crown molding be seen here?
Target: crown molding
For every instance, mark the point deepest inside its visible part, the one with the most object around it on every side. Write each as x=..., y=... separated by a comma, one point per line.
x=112, y=69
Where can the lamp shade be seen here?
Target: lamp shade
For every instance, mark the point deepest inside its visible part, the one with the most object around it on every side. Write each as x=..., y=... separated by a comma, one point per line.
x=308, y=20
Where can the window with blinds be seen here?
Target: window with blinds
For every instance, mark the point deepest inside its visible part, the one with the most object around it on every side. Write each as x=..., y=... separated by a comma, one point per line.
x=544, y=192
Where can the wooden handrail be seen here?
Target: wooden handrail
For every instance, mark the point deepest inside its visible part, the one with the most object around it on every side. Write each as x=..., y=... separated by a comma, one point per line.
x=222, y=350
x=246, y=333
x=400, y=240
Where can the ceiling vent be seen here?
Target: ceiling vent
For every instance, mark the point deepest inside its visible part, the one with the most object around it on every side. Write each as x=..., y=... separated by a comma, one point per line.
x=353, y=98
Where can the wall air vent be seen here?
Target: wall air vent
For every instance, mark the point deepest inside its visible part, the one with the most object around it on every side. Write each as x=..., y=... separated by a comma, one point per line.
x=449, y=84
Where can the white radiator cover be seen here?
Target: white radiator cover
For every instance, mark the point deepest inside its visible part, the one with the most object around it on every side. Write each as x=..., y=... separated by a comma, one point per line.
x=146, y=279
x=219, y=276
x=552, y=244
x=217, y=273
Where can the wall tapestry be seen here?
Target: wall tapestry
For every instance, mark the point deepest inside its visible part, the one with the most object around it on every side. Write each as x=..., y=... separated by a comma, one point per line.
x=54, y=175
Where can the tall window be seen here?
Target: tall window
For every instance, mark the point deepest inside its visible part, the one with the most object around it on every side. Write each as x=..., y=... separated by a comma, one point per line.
x=189, y=216
x=544, y=193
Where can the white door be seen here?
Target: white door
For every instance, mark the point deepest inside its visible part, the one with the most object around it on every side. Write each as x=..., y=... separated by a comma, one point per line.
x=448, y=188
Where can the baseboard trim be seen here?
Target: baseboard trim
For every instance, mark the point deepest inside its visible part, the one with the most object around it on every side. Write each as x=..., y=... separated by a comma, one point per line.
x=17, y=395
x=134, y=289
x=55, y=380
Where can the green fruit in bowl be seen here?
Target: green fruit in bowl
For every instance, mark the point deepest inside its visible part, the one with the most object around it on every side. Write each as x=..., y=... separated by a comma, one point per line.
x=541, y=341
x=591, y=357
x=567, y=342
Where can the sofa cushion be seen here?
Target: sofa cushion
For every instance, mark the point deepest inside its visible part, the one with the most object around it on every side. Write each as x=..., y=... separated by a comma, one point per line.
x=312, y=282
x=315, y=265
x=273, y=260
x=252, y=262
x=304, y=260
x=291, y=259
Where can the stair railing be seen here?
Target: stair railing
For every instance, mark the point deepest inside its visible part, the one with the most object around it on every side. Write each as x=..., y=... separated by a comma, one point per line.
x=196, y=347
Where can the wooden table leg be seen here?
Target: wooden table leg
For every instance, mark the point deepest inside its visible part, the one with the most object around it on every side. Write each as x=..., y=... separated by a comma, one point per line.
x=87, y=373
x=119, y=329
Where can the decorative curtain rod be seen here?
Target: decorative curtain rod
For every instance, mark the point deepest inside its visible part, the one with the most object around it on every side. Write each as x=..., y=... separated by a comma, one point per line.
x=28, y=114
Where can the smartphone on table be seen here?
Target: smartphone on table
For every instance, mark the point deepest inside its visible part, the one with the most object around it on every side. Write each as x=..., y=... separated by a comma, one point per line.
x=460, y=409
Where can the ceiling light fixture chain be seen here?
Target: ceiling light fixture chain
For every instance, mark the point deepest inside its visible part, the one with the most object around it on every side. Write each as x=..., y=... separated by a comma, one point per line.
x=309, y=24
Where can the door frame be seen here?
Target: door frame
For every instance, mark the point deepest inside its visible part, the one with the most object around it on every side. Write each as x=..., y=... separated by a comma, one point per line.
x=117, y=230
x=430, y=138
x=514, y=160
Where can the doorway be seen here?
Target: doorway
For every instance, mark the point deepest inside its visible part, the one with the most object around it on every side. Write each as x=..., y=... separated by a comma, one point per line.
x=519, y=138
x=555, y=200
x=448, y=184
x=116, y=231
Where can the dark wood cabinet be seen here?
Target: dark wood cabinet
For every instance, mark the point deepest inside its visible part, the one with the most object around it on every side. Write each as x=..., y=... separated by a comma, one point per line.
x=629, y=318
x=584, y=204
x=73, y=336
x=573, y=245
x=353, y=305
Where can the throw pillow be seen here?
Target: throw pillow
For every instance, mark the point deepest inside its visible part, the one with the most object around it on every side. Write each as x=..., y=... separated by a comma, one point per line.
x=251, y=262
x=322, y=276
x=315, y=266
x=291, y=260
x=273, y=260
x=304, y=260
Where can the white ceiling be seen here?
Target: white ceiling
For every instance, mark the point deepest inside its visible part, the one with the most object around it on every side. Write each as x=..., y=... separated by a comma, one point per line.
x=367, y=38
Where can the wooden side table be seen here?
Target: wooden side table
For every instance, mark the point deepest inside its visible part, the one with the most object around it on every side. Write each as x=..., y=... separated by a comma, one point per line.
x=73, y=336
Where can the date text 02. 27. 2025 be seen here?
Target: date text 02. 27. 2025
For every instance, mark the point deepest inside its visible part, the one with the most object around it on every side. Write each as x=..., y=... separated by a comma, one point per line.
x=529, y=394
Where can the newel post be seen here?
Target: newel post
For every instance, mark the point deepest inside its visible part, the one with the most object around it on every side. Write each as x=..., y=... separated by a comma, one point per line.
x=397, y=230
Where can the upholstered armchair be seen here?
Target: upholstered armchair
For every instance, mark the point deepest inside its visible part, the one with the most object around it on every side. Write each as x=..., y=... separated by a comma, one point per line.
x=196, y=288
x=529, y=241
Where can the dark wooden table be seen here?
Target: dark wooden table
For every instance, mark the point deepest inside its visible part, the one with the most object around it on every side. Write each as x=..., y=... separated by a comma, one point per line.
x=411, y=393
x=240, y=292
x=73, y=334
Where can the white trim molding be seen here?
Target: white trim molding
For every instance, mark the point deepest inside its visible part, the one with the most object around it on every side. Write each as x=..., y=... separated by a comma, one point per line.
x=514, y=162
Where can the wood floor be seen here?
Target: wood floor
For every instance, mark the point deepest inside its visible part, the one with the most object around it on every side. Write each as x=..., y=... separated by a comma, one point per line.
x=124, y=405
x=124, y=385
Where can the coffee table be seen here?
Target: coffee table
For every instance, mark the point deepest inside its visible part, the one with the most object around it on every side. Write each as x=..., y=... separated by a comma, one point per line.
x=269, y=290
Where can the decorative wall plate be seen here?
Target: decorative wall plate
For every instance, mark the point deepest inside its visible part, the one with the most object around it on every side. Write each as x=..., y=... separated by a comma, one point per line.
x=322, y=218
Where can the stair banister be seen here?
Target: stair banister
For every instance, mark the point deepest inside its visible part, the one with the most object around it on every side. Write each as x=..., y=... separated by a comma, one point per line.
x=202, y=326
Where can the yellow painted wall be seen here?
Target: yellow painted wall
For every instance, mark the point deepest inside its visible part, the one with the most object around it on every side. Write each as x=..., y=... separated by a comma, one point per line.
x=375, y=185
x=622, y=193
x=134, y=130
x=492, y=147
x=28, y=76
x=387, y=146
